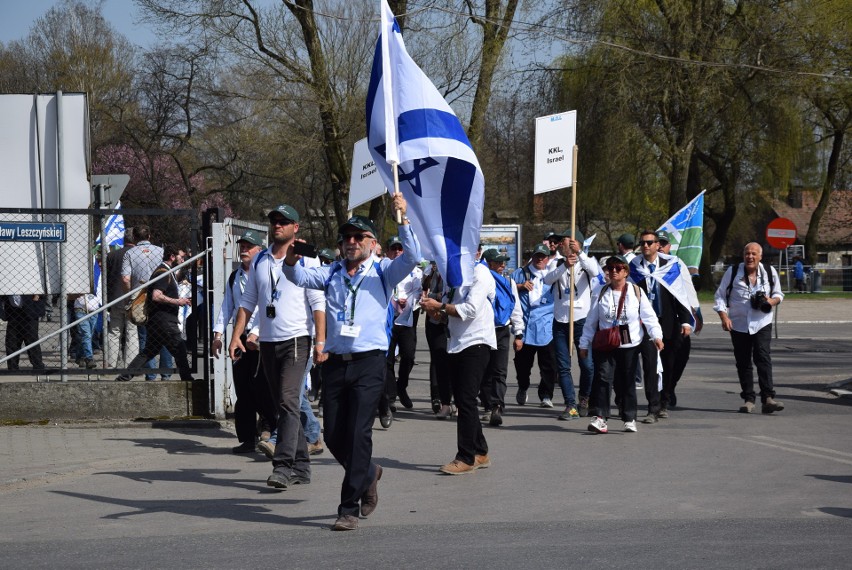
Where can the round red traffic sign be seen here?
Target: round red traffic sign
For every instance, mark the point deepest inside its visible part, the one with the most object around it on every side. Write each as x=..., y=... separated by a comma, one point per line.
x=781, y=233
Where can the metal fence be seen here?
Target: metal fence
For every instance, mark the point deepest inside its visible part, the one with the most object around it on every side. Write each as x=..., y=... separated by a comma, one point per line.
x=819, y=279
x=64, y=299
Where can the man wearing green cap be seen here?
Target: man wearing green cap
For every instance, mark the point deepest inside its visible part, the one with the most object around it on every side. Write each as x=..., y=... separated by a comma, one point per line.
x=288, y=317
x=253, y=396
x=357, y=291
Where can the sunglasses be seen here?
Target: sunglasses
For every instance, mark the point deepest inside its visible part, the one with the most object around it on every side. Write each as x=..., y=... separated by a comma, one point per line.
x=280, y=222
x=648, y=242
x=616, y=268
x=356, y=237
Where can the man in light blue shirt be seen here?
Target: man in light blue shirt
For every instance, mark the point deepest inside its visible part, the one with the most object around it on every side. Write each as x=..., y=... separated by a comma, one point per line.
x=357, y=290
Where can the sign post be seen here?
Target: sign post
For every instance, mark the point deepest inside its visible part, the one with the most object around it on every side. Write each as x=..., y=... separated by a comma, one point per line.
x=781, y=233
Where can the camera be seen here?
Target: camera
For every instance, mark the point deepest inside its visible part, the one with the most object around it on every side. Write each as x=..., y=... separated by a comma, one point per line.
x=270, y=311
x=759, y=301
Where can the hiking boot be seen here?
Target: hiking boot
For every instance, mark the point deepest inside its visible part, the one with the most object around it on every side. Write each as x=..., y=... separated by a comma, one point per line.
x=481, y=462
x=315, y=448
x=345, y=522
x=584, y=407
x=770, y=405
x=456, y=467
x=267, y=448
x=496, y=417
x=747, y=407
x=569, y=414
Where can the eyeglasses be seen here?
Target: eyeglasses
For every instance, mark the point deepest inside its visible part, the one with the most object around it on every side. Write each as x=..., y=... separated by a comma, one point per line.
x=280, y=222
x=356, y=237
x=648, y=242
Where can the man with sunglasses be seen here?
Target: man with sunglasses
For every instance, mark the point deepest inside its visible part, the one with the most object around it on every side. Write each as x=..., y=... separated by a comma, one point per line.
x=287, y=317
x=358, y=290
x=675, y=322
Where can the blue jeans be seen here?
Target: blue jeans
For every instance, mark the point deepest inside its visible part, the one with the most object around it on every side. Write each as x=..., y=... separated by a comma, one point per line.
x=86, y=329
x=563, y=361
x=166, y=360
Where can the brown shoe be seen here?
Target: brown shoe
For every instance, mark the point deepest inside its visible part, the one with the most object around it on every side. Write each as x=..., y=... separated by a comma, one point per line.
x=481, y=462
x=345, y=522
x=315, y=448
x=370, y=498
x=456, y=467
x=770, y=405
x=266, y=448
x=265, y=435
x=747, y=407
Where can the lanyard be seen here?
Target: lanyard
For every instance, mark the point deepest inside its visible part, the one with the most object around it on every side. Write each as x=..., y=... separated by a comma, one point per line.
x=273, y=283
x=354, y=291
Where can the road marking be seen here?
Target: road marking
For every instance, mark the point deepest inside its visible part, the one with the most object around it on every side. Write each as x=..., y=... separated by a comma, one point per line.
x=800, y=323
x=814, y=447
x=786, y=447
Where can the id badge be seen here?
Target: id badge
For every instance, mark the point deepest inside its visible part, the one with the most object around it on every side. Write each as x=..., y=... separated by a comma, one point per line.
x=351, y=331
x=341, y=316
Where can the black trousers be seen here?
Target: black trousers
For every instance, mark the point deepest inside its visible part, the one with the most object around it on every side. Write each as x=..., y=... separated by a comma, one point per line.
x=649, y=369
x=439, y=380
x=493, y=391
x=351, y=392
x=285, y=364
x=674, y=356
x=546, y=367
x=21, y=330
x=466, y=370
x=406, y=339
x=615, y=369
x=163, y=331
x=754, y=347
x=253, y=397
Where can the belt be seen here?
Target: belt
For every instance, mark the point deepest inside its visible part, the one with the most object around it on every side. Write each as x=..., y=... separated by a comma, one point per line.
x=349, y=356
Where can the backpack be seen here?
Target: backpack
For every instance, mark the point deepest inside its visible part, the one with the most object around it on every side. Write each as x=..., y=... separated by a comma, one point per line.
x=139, y=308
x=504, y=300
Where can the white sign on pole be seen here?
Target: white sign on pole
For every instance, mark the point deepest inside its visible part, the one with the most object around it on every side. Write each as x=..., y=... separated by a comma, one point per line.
x=365, y=183
x=555, y=137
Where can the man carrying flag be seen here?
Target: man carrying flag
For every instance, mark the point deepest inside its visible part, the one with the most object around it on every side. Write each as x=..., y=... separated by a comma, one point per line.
x=419, y=145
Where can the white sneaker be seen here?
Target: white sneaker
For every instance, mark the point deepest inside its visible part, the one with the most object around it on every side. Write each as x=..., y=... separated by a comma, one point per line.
x=546, y=403
x=598, y=425
x=630, y=426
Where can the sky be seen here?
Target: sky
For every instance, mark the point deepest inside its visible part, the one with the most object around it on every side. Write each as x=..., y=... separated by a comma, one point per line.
x=18, y=17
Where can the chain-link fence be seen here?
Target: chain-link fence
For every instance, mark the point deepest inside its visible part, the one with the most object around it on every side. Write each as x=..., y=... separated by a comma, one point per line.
x=64, y=300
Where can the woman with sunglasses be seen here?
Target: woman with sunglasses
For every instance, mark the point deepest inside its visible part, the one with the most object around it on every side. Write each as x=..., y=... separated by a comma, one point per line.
x=623, y=305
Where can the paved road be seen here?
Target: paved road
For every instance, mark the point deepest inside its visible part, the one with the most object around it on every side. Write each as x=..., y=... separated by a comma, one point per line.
x=708, y=488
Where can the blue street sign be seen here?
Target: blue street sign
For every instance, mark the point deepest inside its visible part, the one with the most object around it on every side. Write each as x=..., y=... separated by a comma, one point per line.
x=31, y=231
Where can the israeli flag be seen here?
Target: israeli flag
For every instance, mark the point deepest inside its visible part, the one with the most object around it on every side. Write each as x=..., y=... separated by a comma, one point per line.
x=686, y=232
x=675, y=277
x=409, y=124
x=114, y=230
x=588, y=243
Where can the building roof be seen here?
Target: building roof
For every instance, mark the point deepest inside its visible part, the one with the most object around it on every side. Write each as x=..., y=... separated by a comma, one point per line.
x=836, y=226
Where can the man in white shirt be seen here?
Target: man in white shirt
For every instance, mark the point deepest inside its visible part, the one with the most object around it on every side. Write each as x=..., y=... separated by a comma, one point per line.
x=287, y=317
x=470, y=320
x=744, y=301
x=253, y=396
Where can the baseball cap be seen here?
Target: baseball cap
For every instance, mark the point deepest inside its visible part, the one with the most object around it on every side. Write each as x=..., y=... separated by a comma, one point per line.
x=288, y=212
x=552, y=235
x=578, y=236
x=394, y=240
x=617, y=258
x=662, y=236
x=627, y=240
x=251, y=236
x=359, y=223
x=494, y=255
x=542, y=249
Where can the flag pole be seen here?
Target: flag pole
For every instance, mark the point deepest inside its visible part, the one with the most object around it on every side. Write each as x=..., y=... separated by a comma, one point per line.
x=571, y=273
x=396, y=190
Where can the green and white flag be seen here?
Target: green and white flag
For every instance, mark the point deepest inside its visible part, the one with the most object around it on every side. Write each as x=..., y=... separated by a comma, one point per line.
x=686, y=232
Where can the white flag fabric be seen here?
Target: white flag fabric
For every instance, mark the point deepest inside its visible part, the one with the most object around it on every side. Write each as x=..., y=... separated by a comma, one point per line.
x=114, y=229
x=675, y=277
x=439, y=175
